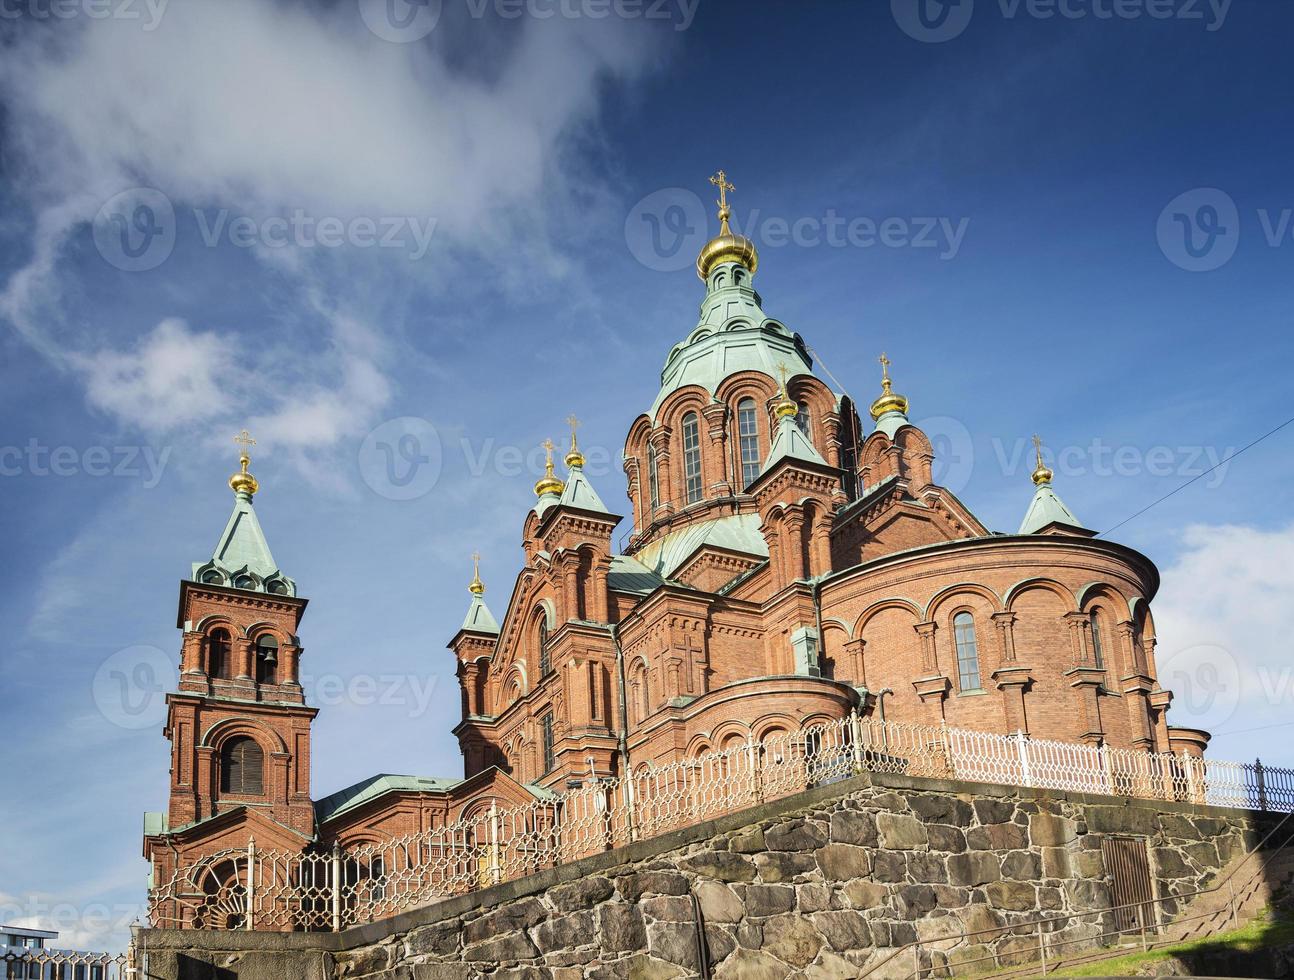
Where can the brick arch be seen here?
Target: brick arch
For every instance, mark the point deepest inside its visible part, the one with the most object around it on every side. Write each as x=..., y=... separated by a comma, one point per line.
x=774, y=723
x=222, y=731
x=688, y=398
x=698, y=746
x=728, y=734
x=871, y=611
x=219, y=620
x=257, y=630
x=1094, y=592
x=1039, y=582
x=935, y=606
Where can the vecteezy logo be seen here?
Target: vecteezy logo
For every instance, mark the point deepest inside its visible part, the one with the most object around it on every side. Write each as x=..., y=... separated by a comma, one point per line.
x=130, y=687
x=1205, y=681
x=400, y=21
x=1199, y=230
x=135, y=230
x=666, y=229
x=401, y=458
x=932, y=21
x=953, y=449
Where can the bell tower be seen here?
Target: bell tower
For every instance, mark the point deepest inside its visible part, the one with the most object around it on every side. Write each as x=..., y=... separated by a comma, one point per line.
x=238, y=725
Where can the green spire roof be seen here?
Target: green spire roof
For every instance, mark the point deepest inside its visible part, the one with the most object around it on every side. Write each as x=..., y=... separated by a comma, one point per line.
x=580, y=493
x=242, y=556
x=479, y=619
x=790, y=443
x=1047, y=508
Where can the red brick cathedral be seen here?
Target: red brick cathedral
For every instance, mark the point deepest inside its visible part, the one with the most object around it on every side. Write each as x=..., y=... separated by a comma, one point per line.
x=786, y=566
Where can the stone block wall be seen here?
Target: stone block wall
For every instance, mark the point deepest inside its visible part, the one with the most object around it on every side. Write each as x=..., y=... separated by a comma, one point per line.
x=825, y=884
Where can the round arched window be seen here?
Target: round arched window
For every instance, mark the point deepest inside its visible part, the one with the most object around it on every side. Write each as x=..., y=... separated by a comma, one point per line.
x=244, y=582
x=267, y=660
x=212, y=577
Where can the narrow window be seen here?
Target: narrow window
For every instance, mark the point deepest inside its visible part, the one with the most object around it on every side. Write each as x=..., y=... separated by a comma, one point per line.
x=804, y=422
x=692, y=458
x=218, y=654
x=242, y=765
x=967, y=652
x=1098, y=654
x=545, y=664
x=546, y=728
x=267, y=660
x=653, y=480
x=748, y=439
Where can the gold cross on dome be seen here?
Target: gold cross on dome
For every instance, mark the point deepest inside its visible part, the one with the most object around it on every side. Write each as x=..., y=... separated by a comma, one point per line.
x=720, y=180
x=574, y=423
x=244, y=439
x=1037, y=447
x=548, y=447
x=885, y=366
x=476, y=562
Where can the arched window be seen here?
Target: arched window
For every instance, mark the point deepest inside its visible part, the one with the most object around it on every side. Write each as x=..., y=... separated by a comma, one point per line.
x=653, y=480
x=748, y=440
x=967, y=652
x=803, y=420
x=242, y=767
x=1098, y=652
x=267, y=660
x=546, y=736
x=244, y=582
x=545, y=664
x=641, y=690
x=692, y=458
x=218, y=654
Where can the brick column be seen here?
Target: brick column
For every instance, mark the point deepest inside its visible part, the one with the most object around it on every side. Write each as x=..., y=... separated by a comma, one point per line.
x=821, y=556
x=570, y=586
x=857, y=664
x=1005, y=623
x=831, y=426
x=792, y=545
x=1086, y=682
x=1079, y=638
x=601, y=604
x=664, y=485
x=716, y=419
x=933, y=691
x=1013, y=681
x=929, y=658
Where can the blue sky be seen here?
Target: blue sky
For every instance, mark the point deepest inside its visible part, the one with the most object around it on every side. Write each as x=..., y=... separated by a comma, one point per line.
x=515, y=167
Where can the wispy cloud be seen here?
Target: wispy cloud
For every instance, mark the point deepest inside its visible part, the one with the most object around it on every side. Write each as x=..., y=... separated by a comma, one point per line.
x=261, y=110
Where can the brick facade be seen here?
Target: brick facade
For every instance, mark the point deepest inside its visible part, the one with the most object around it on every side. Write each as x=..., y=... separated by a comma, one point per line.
x=751, y=600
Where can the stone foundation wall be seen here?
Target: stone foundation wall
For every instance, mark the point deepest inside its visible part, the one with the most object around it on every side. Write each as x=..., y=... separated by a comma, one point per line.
x=825, y=884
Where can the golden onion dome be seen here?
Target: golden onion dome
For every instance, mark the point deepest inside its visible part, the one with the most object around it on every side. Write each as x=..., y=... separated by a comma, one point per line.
x=1041, y=473
x=549, y=483
x=784, y=408
x=889, y=400
x=476, y=586
x=574, y=458
x=242, y=481
x=725, y=247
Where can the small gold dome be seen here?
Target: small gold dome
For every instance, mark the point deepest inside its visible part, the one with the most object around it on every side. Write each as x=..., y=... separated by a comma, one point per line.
x=725, y=247
x=888, y=401
x=476, y=587
x=784, y=408
x=574, y=458
x=1041, y=474
x=242, y=481
x=549, y=483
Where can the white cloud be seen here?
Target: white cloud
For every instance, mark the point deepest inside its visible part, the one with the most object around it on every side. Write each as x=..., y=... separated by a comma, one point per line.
x=1222, y=617
x=264, y=109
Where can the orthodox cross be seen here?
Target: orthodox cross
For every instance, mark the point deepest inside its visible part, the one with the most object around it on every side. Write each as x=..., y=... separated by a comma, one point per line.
x=885, y=371
x=574, y=423
x=1037, y=447
x=782, y=370
x=548, y=447
x=244, y=440
x=720, y=180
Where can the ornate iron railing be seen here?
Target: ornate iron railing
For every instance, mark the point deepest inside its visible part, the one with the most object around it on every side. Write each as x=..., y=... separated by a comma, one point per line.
x=323, y=889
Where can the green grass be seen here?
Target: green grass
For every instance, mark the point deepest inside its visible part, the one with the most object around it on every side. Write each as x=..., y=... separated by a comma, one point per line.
x=1267, y=929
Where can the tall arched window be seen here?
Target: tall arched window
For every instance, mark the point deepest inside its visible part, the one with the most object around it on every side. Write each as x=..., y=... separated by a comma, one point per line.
x=653, y=480
x=218, y=654
x=267, y=660
x=748, y=440
x=692, y=458
x=545, y=664
x=967, y=652
x=242, y=767
x=803, y=420
x=1098, y=651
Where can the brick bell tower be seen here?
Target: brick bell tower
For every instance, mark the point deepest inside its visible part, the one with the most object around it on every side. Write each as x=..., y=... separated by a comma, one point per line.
x=239, y=726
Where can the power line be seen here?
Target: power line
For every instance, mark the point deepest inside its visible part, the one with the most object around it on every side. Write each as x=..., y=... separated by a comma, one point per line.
x=1194, y=478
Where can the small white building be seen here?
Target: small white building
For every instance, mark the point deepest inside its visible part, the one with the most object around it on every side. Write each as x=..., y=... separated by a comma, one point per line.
x=28, y=954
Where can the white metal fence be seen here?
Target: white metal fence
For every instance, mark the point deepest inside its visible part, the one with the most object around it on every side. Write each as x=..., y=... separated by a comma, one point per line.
x=324, y=889
x=58, y=964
